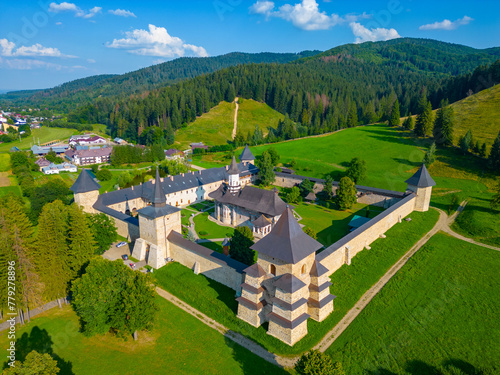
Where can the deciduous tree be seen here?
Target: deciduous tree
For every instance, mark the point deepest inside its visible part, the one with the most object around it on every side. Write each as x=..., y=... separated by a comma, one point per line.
x=346, y=193
x=356, y=170
x=318, y=363
x=240, y=246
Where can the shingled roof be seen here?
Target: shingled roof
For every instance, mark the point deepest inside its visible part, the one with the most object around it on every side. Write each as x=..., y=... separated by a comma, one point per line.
x=159, y=199
x=287, y=241
x=251, y=198
x=261, y=222
x=246, y=155
x=233, y=168
x=84, y=183
x=289, y=283
x=421, y=178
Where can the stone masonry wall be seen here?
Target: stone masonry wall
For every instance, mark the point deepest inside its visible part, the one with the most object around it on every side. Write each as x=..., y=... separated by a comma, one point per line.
x=347, y=247
x=212, y=269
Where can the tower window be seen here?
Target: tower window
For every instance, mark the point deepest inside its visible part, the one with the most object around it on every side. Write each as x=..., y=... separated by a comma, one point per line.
x=303, y=269
x=273, y=269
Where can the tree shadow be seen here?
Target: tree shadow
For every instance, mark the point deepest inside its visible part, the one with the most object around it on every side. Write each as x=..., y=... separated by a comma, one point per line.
x=381, y=371
x=417, y=367
x=250, y=363
x=40, y=341
x=224, y=294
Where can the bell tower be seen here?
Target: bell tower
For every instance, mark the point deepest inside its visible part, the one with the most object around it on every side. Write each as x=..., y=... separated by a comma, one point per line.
x=86, y=191
x=234, y=177
x=421, y=183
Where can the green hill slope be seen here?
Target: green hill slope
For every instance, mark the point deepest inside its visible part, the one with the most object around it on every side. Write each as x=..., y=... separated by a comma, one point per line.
x=216, y=126
x=481, y=114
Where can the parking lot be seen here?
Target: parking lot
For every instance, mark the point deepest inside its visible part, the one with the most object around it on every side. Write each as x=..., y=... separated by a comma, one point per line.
x=115, y=253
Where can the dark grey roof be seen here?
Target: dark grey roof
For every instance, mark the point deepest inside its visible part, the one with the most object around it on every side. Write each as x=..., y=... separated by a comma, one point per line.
x=246, y=154
x=289, y=283
x=159, y=199
x=251, y=198
x=84, y=183
x=255, y=270
x=261, y=222
x=318, y=269
x=285, y=323
x=177, y=239
x=421, y=178
x=155, y=212
x=233, y=168
x=101, y=207
x=287, y=241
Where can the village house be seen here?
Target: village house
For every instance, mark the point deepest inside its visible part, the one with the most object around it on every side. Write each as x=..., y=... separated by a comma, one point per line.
x=86, y=140
x=89, y=156
x=57, y=168
x=44, y=150
x=174, y=154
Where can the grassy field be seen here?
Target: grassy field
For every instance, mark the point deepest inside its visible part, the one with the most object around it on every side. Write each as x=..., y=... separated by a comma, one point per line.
x=179, y=343
x=216, y=126
x=349, y=283
x=441, y=309
x=44, y=134
x=4, y=162
x=480, y=114
x=331, y=225
x=252, y=113
x=203, y=224
x=212, y=128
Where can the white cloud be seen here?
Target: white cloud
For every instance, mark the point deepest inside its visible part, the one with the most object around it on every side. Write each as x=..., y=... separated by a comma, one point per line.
x=122, y=13
x=447, y=24
x=71, y=7
x=28, y=64
x=304, y=15
x=155, y=42
x=363, y=34
x=58, y=23
x=91, y=61
x=9, y=49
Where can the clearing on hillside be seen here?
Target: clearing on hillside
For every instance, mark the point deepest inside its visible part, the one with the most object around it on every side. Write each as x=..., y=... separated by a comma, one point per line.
x=480, y=113
x=216, y=126
x=44, y=134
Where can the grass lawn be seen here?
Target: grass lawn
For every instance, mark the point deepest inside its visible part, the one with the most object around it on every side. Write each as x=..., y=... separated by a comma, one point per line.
x=479, y=113
x=331, y=225
x=179, y=344
x=185, y=214
x=349, y=283
x=4, y=162
x=45, y=134
x=215, y=246
x=203, y=224
x=252, y=113
x=441, y=309
x=212, y=128
x=5, y=190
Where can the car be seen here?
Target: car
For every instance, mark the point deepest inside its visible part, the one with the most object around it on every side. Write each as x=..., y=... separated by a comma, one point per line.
x=121, y=244
x=125, y=257
x=132, y=265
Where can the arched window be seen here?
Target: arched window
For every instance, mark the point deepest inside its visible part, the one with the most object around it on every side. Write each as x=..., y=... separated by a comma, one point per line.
x=303, y=269
x=273, y=269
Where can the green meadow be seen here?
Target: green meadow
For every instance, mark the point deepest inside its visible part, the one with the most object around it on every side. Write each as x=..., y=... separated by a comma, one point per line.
x=440, y=310
x=44, y=134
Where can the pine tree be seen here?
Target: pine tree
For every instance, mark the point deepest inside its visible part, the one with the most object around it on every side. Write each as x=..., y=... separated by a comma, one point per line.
x=482, y=152
x=352, y=119
x=494, y=158
x=423, y=125
x=395, y=115
x=466, y=142
x=444, y=125
x=409, y=122
x=430, y=155
x=82, y=245
x=240, y=246
x=266, y=169
x=346, y=193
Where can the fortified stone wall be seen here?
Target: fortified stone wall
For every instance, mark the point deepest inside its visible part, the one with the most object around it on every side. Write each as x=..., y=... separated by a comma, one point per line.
x=201, y=260
x=341, y=252
x=126, y=229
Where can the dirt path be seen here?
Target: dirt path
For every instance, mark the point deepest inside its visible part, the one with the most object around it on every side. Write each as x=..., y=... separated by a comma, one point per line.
x=443, y=224
x=4, y=179
x=235, y=118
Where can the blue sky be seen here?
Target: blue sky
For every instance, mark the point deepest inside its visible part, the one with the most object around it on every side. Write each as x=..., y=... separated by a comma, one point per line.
x=45, y=43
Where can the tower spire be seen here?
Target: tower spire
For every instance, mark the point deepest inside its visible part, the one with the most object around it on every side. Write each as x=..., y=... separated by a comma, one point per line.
x=159, y=199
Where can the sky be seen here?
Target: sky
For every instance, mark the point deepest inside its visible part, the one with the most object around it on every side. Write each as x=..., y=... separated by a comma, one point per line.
x=44, y=44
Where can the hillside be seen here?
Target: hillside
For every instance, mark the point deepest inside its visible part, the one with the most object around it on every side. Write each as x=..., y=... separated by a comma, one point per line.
x=85, y=89
x=481, y=114
x=216, y=126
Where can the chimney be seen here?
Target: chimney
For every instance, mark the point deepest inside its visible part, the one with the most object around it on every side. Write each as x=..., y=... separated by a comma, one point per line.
x=161, y=179
x=171, y=178
x=132, y=187
x=182, y=174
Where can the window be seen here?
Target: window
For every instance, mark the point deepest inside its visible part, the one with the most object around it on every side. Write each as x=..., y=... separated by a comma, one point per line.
x=303, y=269
x=273, y=269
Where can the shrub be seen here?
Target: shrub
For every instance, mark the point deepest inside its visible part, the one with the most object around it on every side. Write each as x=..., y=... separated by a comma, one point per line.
x=203, y=233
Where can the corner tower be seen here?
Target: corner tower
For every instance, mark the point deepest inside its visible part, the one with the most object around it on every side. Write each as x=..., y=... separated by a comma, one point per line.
x=86, y=191
x=155, y=224
x=233, y=177
x=247, y=156
x=421, y=183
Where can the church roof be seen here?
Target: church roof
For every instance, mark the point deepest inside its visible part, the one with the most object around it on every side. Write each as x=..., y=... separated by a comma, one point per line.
x=156, y=212
x=287, y=241
x=84, y=183
x=251, y=198
x=255, y=270
x=158, y=199
x=233, y=168
x=421, y=178
x=246, y=154
x=261, y=222
x=318, y=269
x=289, y=283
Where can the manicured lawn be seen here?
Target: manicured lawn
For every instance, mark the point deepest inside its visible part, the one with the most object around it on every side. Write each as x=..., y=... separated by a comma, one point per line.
x=215, y=246
x=349, y=284
x=331, y=225
x=179, y=344
x=45, y=134
x=203, y=224
x=5, y=190
x=441, y=309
